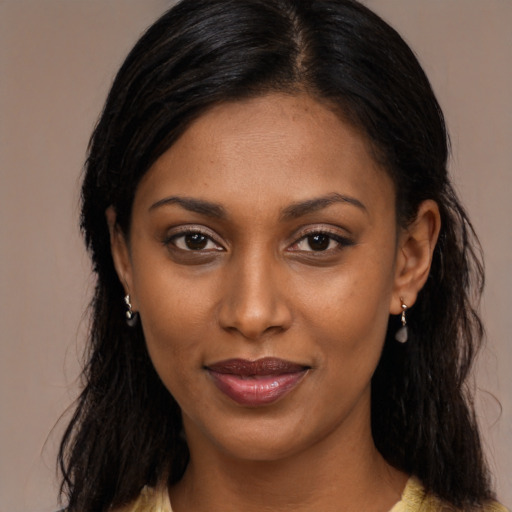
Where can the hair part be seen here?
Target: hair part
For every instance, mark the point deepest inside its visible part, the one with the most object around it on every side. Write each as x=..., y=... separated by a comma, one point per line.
x=125, y=432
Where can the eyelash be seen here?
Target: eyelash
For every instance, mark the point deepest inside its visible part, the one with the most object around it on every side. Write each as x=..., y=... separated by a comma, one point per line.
x=330, y=236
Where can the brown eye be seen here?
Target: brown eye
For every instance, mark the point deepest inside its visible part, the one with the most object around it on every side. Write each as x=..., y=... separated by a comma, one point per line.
x=193, y=241
x=321, y=241
x=318, y=242
x=196, y=241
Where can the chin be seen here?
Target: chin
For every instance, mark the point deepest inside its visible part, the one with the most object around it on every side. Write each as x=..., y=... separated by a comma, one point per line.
x=263, y=448
x=263, y=439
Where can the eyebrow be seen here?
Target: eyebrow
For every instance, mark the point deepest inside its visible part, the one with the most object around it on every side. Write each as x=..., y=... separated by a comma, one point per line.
x=293, y=211
x=193, y=205
x=313, y=205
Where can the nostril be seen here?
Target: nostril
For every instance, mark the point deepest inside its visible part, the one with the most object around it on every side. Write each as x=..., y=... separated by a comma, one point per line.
x=254, y=324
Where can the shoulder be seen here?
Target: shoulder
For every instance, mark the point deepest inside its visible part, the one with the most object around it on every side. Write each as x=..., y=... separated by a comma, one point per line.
x=415, y=499
x=494, y=506
x=151, y=499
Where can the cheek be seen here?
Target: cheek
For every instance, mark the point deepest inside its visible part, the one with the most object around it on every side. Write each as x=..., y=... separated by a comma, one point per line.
x=176, y=355
x=356, y=302
x=175, y=321
x=174, y=328
x=349, y=311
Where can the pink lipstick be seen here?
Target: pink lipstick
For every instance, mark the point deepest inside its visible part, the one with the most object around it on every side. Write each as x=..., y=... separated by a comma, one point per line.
x=255, y=383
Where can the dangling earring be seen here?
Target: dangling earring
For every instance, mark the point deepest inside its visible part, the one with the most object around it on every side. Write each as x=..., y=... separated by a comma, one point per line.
x=131, y=316
x=402, y=334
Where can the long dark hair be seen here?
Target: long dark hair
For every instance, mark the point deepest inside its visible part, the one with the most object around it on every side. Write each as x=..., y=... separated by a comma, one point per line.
x=125, y=432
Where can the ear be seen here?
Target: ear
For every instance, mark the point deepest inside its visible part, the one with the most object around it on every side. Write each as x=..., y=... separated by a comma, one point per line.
x=120, y=254
x=414, y=255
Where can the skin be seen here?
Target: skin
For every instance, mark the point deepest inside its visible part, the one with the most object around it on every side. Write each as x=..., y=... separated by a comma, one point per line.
x=259, y=287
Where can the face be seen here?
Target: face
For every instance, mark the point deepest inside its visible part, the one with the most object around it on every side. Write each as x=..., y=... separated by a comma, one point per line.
x=262, y=261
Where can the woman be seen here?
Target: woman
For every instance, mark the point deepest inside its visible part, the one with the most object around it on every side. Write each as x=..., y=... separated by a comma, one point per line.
x=283, y=315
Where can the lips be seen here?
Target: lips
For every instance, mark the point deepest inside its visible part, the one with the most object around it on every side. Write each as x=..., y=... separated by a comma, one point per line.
x=256, y=383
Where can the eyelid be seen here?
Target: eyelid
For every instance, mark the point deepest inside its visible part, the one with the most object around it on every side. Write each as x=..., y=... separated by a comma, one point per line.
x=326, y=229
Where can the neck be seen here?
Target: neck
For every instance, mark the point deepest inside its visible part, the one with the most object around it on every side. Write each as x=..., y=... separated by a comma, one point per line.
x=343, y=471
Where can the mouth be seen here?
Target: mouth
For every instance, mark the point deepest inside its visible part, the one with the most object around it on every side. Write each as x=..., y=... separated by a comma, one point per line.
x=256, y=383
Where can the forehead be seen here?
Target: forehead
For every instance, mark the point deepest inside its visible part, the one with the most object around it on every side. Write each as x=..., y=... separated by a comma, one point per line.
x=278, y=147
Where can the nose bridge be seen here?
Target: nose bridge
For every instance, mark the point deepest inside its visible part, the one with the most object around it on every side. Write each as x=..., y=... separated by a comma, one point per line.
x=253, y=303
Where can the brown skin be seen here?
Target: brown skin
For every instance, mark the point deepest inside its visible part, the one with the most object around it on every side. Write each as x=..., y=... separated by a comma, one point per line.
x=258, y=288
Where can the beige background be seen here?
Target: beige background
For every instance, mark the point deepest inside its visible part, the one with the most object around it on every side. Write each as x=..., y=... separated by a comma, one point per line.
x=57, y=59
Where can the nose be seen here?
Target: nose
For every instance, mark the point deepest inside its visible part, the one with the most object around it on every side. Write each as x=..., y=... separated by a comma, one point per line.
x=254, y=303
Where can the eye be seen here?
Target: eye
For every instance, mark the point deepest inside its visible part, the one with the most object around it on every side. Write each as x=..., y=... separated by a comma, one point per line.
x=316, y=242
x=193, y=241
x=320, y=241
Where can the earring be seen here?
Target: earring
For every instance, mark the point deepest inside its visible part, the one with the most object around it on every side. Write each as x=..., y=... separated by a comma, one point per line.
x=131, y=316
x=402, y=334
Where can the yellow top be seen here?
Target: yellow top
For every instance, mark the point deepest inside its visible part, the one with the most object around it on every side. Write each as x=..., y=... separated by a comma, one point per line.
x=413, y=499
